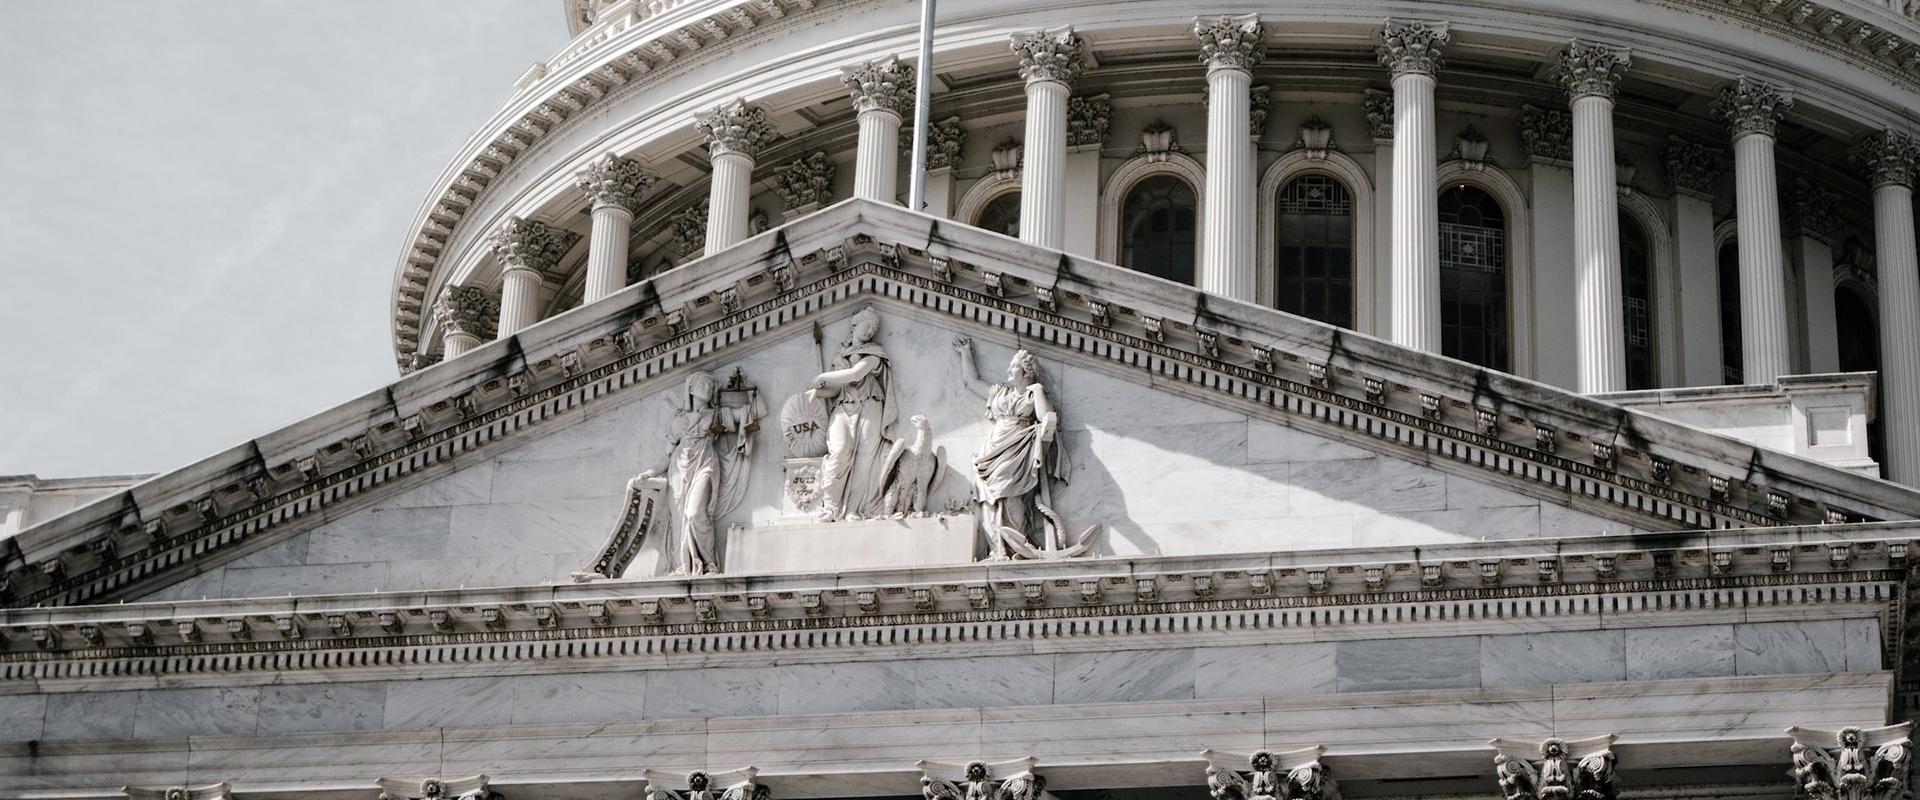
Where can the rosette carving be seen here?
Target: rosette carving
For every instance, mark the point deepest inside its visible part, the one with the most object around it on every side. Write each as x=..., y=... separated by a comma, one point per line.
x=1751, y=106
x=614, y=181
x=1049, y=55
x=1231, y=42
x=1412, y=46
x=883, y=85
x=737, y=127
x=1591, y=70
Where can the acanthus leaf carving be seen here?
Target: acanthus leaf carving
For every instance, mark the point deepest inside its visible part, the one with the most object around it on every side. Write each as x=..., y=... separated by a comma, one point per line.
x=1555, y=768
x=521, y=243
x=1231, y=42
x=737, y=127
x=1546, y=133
x=1289, y=775
x=689, y=229
x=738, y=784
x=1048, y=55
x=1088, y=120
x=1412, y=46
x=883, y=85
x=614, y=181
x=1752, y=107
x=215, y=791
x=1888, y=157
x=805, y=184
x=466, y=310
x=1588, y=69
x=1379, y=109
x=1693, y=166
x=1809, y=209
x=1853, y=763
x=977, y=780
x=469, y=788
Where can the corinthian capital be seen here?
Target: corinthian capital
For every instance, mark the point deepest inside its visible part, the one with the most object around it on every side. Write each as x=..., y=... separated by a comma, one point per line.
x=1051, y=55
x=1888, y=157
x=614, y=181
x=1851, y=763
x=1692, y=166
x=1589, y=69
x=1412, y=46
x=807, y=183
x=1231, y=42
x=1555, y=769
x=522, y=243
x=466, y=310
x=883, y=85
x=1751, y=106
x=1292, y=775
x=737, y=127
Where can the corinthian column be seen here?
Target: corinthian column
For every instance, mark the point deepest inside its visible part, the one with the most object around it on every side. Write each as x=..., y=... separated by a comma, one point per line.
x=526, y=250
x=882, y=92
x=614, y=185
x=736, y=133
x=465, y=315
x=1232, y=47
x=1411, y=51
x=1889, y=159
x=1049, y=61
x=1590, y=73
x=1752, y=109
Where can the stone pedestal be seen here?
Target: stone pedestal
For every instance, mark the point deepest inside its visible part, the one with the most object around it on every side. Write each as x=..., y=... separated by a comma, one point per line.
x=852, y=544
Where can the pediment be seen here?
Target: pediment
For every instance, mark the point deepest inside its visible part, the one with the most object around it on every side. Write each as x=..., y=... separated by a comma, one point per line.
x=1195, y=426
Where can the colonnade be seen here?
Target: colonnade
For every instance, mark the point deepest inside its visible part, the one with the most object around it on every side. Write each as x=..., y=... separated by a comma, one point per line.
x=1231, y=47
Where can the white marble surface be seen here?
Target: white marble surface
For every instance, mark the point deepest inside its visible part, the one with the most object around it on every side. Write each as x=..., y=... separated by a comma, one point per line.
x=852, y=544
x=1695, y=651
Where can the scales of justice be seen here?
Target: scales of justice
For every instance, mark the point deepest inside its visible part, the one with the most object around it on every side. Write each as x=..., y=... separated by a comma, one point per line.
x=859, y=489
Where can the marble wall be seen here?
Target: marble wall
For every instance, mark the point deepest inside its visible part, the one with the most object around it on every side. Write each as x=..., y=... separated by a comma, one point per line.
x=1037, y=678
x=1167, y=473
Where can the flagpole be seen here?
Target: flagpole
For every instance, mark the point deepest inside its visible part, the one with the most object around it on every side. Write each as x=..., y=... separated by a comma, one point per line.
x=922, y=111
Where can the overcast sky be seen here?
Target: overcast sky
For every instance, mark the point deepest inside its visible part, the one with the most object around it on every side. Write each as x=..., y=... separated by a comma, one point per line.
x=202, y=201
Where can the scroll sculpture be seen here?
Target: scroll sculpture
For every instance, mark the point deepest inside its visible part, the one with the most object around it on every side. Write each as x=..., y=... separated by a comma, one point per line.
x=1555, y=769
x=976, y=780
x=1016, y=468
x=473, y=788
x=1852, y=763
x=700, y=785
x=711, y=448
x=1290, y=775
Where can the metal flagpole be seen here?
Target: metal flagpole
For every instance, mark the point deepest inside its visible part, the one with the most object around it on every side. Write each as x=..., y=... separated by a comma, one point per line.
x=922, y=112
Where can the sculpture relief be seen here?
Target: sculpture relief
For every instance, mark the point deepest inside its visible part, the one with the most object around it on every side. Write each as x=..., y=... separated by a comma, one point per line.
x=1852, y=763
x=1576, y=769
x=1016, y=467
x=706, y=471
x=1291, y=775
x=910, y=472
x=853, y=398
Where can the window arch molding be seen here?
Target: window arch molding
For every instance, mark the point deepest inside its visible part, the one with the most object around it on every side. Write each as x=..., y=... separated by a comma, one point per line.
x=985, y=191
x=1343, y=168
x=1113, y=198
x=1513, y=202
x=1666, y=285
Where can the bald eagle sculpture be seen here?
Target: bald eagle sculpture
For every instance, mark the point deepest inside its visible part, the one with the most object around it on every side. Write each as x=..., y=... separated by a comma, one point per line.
x=910, y=471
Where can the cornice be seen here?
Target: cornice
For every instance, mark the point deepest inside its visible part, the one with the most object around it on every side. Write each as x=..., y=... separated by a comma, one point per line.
x=1638, y=470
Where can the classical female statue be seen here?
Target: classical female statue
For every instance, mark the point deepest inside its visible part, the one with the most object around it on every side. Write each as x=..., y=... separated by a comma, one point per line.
x=859, y=390
x=1016, y=466
x=706, y=472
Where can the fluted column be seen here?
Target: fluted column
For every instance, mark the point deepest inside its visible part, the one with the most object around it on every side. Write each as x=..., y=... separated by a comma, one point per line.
x=736, y=133
x=466, y=315
x=1049, y=61
x=526, y=250
x=614, y=185
x=882, y=94
x=1590, y=72
x=1232, y=47
x=1752, y=109
x=1890, y=161
x=1411, y=51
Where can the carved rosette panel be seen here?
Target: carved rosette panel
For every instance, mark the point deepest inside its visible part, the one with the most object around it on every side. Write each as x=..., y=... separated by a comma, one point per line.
x=521, y=243
x=1379, y=109
x=883, y=85
x=1546, y=133
x=1752, y=107
x=1555, y=769
x=1412, y=47
x=689, y=227
x=1692, y=166
x=1853, y=763
x=468, y=310
x=1889, y=157
x=1289, y=775
x=614, y=181
x=737, y=127
x=1809, y=209
x=1231, y=42
x=1049, y=55
x=805, y=183
x=1088, y=120
x=1587, y=69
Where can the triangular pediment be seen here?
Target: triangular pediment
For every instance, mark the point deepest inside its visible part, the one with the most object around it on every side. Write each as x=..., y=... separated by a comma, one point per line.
x=1194, y=426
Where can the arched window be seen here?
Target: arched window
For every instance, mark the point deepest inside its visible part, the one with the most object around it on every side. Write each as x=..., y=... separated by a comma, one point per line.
x=1731, y=369
x=1636, y=285
x=1859, y=338
x=1473, y=277
x=1315, y=257
x=1001, y=215
x=1157, y=224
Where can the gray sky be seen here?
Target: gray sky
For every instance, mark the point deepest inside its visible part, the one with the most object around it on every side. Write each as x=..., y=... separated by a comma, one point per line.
x=201, y=203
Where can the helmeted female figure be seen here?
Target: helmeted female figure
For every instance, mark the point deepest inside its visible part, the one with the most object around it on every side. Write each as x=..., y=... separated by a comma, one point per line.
x=859, y=392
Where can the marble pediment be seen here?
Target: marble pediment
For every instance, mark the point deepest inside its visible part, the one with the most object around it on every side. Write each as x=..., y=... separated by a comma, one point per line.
x=1192, y=426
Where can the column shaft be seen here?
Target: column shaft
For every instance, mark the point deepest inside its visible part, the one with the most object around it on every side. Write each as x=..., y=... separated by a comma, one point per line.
x=1899, y=267
x=458, y=343
x=1416, y=215
x=1763, y=302
x=607, y=251
x=519, y=299
x=1226, y=254
x=876, y=174
x=1043, y=176
x=727, y=201
x=1596, y=247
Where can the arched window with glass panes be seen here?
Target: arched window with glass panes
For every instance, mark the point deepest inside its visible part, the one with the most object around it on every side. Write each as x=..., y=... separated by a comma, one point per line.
x=1473, y=277
x=1158, y=227
x=1001, y=214
x=1314, y=236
